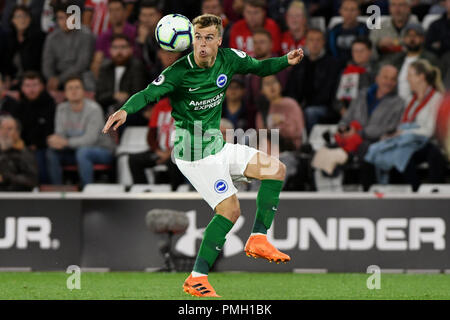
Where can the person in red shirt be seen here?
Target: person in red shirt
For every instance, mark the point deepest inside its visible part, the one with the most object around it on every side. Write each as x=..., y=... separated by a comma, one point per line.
x=297, y=24
x=161, y=127
x=241, y=35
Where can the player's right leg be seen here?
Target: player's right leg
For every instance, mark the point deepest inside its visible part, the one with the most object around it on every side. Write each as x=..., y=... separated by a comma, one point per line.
x=210, y=177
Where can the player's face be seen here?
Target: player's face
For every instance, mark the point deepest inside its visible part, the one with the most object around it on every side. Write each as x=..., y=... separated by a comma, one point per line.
x=206, y=44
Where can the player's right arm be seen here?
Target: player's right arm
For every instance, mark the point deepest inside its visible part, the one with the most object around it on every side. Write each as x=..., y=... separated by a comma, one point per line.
x=166, y=82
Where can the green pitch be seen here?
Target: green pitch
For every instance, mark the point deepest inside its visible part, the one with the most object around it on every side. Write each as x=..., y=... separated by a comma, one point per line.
x=258, y=286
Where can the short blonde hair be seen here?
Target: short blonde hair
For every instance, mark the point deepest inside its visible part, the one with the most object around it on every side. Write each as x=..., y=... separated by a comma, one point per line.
x=207, y=20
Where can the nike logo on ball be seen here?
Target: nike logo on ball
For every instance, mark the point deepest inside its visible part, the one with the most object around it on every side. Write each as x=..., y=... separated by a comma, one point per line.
x=190, y=89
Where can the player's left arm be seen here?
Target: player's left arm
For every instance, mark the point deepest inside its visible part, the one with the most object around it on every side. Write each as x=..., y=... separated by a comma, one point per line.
x=246, y=64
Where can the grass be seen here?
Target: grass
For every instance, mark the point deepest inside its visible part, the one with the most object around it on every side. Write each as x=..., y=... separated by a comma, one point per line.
x=252, y=286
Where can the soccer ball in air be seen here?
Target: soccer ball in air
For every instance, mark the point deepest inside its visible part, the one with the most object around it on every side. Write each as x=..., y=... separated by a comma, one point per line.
x=174, y=32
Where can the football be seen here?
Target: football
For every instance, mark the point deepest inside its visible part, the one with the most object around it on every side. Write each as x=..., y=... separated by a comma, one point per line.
x=174, y=32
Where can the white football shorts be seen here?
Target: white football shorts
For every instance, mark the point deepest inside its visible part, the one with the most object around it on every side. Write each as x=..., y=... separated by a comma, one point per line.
x=213, y=175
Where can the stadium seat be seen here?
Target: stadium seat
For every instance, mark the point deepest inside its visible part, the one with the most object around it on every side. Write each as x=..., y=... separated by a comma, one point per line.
x=434, y=188
x=391, y=188
x=58, y=188
x=140, y=188
x=134, y=140
x=429, y=19
x=328, y=184
x=338, y=19
x=319, y=23
x=315, y=138
x=103, y=188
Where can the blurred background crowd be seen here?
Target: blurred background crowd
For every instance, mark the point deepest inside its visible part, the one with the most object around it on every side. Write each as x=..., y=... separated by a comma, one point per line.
x=366, y=105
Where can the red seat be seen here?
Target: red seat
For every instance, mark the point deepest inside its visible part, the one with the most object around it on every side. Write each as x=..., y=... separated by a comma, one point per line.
x=97, y=167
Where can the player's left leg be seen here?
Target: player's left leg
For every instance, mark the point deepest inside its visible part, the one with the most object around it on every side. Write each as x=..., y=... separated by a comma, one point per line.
x=271, y=172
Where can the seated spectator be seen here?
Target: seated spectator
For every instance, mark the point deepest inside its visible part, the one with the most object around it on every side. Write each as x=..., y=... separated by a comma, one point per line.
x=357, y=75
x=241, y=34
x=411, y=144
x=25, y=45
x=35, y=7
x=67, y=52
x=386, y=40
x=95, y=16
x=77, y=138
x=18, y=170
x=283, y=113
x=313, y=82
x=234, y=108
x=377, y=110
x=36, y=114
x=118, y=25
x=438, y=34
x=8, y=105
x=215, y=7
x=233, y=9
x=413, y=40
x=263, y=45
x=149, y=14
x=294, y=37
x=161, y=128
x=120, y=77
x=341, y=36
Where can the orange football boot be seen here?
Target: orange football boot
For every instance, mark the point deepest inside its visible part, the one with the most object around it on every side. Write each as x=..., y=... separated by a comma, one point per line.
x=199, y=287
x=257, y=246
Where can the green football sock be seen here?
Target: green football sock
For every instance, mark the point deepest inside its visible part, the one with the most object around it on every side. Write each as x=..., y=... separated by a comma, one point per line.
x=212, y=243
x=266, y=204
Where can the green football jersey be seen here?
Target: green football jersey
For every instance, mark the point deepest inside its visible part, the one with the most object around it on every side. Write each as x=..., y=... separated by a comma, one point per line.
x=196, y=96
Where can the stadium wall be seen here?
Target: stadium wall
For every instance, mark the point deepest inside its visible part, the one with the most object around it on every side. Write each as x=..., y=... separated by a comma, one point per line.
x=321, y=233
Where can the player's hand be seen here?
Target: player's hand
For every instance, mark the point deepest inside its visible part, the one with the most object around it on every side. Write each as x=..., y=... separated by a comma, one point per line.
x=295, y=56
x=119, y=116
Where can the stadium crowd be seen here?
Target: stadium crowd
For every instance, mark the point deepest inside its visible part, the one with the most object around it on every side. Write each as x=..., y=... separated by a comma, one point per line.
x=379, y=92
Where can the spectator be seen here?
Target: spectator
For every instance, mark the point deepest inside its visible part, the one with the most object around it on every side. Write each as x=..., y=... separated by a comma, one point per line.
x=413, y=40
x=438, y=34
x=277, y=10
x=149, y=14
x=283, y=113
x=233, y=9
x=313, y=82
x=161, y=128
x=234, y=106
x=357, y=75
x=341, y=36
x=18, y=171
x=25, y=45
x=241, y=34
x=374, y=113
x=35, y=8
x=215, y=7
x=297, y=24
x=410, y=144
x=8, y=106
x=95, y=16
x=377, y=109
x=77, y=138
x=386, y=40
x=120, y=77
x=67, y=52
x=118, y=25
x=36, y=113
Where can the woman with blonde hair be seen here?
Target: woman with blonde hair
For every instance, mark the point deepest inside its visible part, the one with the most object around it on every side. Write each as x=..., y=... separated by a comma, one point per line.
x=410, y=144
